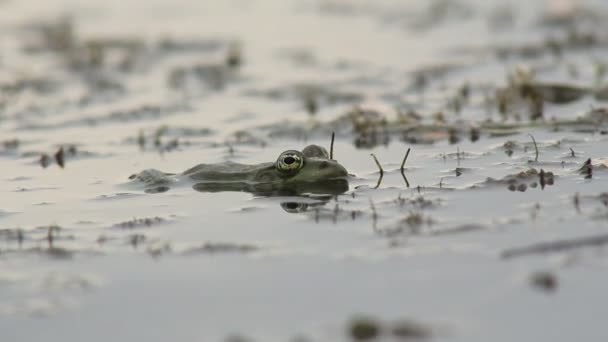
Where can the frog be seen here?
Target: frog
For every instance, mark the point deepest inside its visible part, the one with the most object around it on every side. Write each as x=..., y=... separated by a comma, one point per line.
x=294, y=172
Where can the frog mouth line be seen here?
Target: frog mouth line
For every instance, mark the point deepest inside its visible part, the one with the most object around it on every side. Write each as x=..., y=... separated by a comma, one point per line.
x=326, y=187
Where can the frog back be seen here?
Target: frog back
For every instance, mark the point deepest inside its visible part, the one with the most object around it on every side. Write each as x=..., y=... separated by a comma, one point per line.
x=231, y=172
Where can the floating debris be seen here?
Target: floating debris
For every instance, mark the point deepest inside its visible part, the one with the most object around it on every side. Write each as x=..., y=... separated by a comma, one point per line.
x=44, y=160
x=586, y=169
x=311, y=103
x=557, y=246
x=140, y=222
x=544, y=280
x=141, y=140
x=234, y=57
x=52, y=230
x=60, y=157
x=221, y=247
x=136, y=239
x=545, y=178
x=12, y=144
x=410, y=330
x=475, y=134
x=522, y=180
x=363, y=329
x=13, y=235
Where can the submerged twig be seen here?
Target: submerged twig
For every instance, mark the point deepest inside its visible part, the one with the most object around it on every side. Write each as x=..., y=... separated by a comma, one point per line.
x=577, y=202
x=331, y=146
x=535, y=148
x=374, y=215
x=556, y=246
x=405, y=179
x=377, y=163
x=407, y=153
x=381, y=171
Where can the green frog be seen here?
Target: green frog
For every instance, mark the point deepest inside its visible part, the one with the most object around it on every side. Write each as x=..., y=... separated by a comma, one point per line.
x=293, y=173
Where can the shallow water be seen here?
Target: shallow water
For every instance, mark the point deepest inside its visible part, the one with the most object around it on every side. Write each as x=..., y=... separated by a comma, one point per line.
x=86, y=254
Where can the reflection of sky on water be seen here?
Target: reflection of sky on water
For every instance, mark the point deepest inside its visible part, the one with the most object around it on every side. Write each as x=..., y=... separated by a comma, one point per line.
x=272, y=267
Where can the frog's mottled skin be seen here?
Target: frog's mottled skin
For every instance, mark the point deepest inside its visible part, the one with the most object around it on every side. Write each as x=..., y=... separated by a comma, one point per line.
x=318, y=173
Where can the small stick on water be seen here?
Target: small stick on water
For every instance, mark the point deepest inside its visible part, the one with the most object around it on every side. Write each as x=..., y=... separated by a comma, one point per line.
x=381, y=171
x=407, y=153
x=331, y=146
x=378, y=163
x=535, y=148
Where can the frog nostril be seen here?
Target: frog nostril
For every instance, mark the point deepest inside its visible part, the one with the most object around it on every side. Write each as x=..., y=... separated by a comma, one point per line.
x=323, y=165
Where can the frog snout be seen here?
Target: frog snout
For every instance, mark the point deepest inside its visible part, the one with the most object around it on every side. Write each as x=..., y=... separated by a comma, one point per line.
x=333, y=169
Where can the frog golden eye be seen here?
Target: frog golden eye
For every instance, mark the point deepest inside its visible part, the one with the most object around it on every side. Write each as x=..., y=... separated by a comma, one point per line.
x=290, y=161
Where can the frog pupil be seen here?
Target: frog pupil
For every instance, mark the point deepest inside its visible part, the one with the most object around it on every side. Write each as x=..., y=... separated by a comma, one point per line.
x=289, y=160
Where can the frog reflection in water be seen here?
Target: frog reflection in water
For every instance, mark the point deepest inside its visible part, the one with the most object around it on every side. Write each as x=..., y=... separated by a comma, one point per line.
x=294, y=172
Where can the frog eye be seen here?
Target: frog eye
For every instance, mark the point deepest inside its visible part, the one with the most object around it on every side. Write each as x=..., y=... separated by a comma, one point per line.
x=290, y=161
x=294, y=207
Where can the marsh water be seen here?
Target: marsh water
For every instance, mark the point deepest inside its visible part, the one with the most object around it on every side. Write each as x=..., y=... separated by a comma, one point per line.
x=494, y=230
